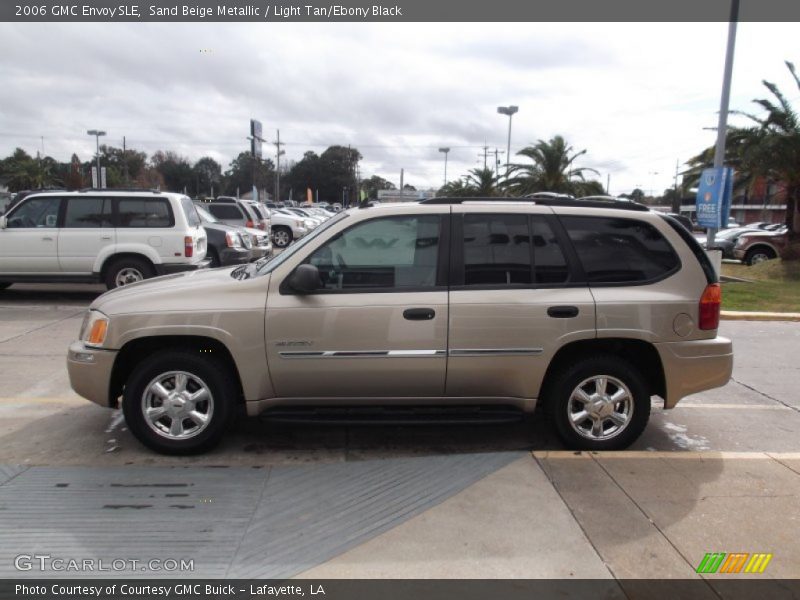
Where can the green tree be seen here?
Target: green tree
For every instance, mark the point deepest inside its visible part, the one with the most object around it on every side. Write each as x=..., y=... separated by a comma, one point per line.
x=207, y=176
x=374, y=184
x=552, y=170
x=244, y=171
x=330, y=174
x=23, y=172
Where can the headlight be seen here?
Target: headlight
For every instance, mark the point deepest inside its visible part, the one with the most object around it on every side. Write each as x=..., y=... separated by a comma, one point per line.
x=740, y=241
x=94, y=328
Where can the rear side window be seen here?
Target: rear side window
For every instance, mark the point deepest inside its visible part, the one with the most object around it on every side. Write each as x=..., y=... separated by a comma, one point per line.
x=141, y=212
x=88, y=212
x=618, y=250
x=226, y=211
x=511, y=249
x=192, y=218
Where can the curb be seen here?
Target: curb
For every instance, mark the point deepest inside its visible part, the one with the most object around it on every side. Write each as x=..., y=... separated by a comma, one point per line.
x=736, y=315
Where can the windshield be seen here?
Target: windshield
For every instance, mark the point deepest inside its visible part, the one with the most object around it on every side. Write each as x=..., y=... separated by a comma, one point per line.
x=269, y=266
x=206, y=216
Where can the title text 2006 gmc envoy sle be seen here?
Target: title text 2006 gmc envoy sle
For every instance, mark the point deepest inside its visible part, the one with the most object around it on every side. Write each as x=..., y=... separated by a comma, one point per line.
x=471, y=306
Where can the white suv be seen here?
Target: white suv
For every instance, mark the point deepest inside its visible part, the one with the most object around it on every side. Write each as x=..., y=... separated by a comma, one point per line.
x=112, y=236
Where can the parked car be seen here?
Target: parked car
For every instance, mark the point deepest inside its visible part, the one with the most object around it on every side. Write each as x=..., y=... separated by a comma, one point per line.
x=261, y=213
x=481, y=306
x=306, y=215
x=288, y=227
x=227, y=245
x=725, y=240
x=112, y=236
x=755, y=247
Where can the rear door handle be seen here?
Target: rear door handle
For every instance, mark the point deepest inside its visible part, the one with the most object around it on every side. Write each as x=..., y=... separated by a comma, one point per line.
x=562, y=312
x=105, y=237
x=47, y=239
x=419, y=314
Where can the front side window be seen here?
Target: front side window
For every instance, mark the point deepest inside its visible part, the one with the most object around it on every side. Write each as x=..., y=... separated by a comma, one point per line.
x=88, y=212
x=36, y=212
x=383, y=253
x=135, y=212
x=618, y=250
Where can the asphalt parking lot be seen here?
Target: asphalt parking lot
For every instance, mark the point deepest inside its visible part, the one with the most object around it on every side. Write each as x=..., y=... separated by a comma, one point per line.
x=719, y=473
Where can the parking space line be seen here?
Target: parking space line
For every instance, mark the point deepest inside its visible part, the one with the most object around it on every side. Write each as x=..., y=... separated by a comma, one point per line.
x=688, y=455
x=737, y=406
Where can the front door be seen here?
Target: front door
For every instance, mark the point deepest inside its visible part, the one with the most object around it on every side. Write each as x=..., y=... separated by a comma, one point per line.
x=378, y=326
x=29, y=243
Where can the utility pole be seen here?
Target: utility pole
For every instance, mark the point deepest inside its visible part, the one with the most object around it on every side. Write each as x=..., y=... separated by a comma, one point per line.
x=125, y=162
x=278, y=153
x=676, y=199
x=608, y=184
x=497, y=154
x=485, y=154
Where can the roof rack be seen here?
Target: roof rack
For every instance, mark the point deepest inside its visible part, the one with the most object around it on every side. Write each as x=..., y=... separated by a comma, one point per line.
x=132, y=189
x=621, y=205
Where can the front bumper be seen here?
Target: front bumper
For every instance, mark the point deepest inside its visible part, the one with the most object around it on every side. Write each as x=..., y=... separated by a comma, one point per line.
x=695, y=366
x=170, y=268
x=739, y=253
x=90, y=372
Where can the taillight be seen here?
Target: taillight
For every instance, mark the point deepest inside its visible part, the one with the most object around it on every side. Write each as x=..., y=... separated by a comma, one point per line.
x=188, y=246
x=710, y=304
x=230, y=241
x=249, y=224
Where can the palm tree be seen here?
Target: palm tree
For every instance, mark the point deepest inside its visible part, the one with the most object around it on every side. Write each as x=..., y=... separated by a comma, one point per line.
x=483, y=182
x=768, y=148
x=553, y=169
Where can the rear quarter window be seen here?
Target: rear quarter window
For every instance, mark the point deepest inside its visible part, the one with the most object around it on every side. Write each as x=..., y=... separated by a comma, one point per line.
x=144, y=212
x=616, y=250
x=192, y=218
x=226, y=211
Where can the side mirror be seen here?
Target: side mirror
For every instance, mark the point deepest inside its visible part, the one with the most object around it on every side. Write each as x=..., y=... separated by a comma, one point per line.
x=3, y=222
x=305, y=279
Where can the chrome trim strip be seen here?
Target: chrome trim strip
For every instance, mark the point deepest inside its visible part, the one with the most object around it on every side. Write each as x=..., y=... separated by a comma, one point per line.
x=496, y=352
x=362, y=354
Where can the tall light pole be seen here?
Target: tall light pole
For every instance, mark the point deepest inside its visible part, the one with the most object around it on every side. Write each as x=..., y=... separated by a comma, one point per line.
x=510, y=111
x=97, y=133
x=445, y=150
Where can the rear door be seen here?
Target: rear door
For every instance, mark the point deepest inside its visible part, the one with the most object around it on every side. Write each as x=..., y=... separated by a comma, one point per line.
x=87, y=229
x=515, y=298
x=150, y=221
x=29, y=243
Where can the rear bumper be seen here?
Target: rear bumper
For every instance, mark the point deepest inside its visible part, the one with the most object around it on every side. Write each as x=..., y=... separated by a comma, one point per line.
x=90, y=372
x=695, y=366
x=169, y=268
x=234, y=256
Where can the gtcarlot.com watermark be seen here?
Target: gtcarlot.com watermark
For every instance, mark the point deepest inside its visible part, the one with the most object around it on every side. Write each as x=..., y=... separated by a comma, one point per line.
x=57, y=564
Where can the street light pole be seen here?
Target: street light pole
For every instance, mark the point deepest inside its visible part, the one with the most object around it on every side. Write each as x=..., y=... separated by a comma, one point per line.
x=97, y=133
x=510, y=111
x=445, y=150
x=722, y=124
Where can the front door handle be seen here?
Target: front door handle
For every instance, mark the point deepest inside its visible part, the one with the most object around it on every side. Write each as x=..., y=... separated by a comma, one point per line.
x=419, y=314
x=562, y=312
x=105, y=237
x=47, y=238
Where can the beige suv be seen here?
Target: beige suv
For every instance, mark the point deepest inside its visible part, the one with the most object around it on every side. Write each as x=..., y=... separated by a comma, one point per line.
x=450, y=306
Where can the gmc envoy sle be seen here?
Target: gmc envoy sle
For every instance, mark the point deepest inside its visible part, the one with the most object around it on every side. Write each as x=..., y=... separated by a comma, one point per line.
x=473, y=307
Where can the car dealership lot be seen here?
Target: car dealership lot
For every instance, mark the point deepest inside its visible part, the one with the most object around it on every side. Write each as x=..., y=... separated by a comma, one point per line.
x=721, y=472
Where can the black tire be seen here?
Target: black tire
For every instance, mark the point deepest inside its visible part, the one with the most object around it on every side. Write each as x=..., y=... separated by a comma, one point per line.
x=214, y=256
x=213, y=373
x=117, y=269
x=758, y=255
x=559, y=407
x=281, y=236
x=5, y=286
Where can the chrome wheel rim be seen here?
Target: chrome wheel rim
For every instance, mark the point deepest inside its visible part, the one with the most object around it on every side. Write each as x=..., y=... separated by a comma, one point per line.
x=600, y=408
x=759, y=258
x=281, y=238
x=127, y=276
x=177, y=405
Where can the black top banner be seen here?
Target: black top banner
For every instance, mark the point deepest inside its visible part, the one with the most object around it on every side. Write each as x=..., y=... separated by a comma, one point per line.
x=400, y=11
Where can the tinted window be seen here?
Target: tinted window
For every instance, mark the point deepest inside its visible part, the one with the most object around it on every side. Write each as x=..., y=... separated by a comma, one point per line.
x=550, y=264
x=390, y=252
x=192, y=218
x=497, y=250
x=88, y=212
x=257, y=210
x=226, y=211
x=615, y=250
x=36, y=212
x=136, y=212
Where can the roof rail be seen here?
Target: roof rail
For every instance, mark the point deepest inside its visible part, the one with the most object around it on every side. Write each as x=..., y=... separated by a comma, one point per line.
x=132, y=189
x=621, y=205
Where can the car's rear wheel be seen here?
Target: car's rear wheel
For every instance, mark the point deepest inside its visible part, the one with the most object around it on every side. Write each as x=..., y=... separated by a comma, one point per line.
x=125, y=271
x=758, y=255
x=281, y=236
x=179, y=402
x=599, y=403
x=214, y=256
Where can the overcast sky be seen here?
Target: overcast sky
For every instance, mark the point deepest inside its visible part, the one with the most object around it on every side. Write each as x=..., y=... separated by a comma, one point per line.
x=637, y=96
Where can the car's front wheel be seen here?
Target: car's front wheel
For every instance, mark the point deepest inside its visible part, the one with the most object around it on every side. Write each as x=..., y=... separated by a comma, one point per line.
x=599, y=403
x=179, y=401
x=758, y=255
x=281, y=236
